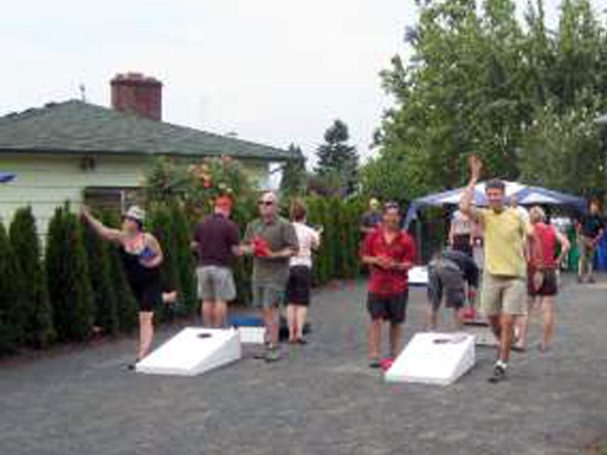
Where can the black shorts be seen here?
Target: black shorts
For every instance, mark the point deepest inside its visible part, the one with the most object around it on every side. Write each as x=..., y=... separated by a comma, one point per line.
x=549, y=286
x=445, y=278
x=148, y=297
x=298, y=287
x=390, y=307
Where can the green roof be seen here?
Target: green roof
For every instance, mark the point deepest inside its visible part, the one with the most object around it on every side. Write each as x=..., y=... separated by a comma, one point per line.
x=78, y=127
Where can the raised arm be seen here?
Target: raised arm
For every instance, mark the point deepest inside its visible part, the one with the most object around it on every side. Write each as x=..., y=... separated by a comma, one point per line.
x=113, y=235
x=465, y=204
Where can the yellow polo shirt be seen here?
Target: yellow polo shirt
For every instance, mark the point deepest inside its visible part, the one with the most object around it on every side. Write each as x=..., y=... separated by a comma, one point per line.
x=504, y=242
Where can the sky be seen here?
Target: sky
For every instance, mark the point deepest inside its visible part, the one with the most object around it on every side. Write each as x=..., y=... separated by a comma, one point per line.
x=271, y=71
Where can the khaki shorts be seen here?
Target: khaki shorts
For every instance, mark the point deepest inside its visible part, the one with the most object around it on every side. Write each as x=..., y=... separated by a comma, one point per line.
x=506, y=295
x=215, y=283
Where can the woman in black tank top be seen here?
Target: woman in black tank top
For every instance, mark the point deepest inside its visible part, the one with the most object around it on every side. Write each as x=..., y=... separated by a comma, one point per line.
x=142, y=256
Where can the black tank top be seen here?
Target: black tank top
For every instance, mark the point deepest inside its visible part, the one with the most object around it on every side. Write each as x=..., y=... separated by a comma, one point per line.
x=138, y=275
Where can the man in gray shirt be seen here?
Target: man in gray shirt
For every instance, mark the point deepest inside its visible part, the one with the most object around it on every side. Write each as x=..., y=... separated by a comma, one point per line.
x=272, y=241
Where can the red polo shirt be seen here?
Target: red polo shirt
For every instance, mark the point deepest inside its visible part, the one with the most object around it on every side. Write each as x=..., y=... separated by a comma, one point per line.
x=401, y=249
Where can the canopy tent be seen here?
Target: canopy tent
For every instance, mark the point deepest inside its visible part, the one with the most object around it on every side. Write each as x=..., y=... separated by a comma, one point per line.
x=6, y=177
x=525, y=195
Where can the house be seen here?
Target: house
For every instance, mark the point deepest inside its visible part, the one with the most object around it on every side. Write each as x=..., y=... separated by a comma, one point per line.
x=75, y=151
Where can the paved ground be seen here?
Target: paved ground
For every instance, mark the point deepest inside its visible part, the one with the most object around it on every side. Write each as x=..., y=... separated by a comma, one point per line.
x=321, y=399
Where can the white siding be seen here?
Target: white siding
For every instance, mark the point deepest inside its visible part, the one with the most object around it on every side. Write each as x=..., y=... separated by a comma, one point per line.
x=47, y=181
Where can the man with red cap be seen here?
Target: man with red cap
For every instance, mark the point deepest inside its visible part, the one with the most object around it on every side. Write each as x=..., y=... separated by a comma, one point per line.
x=216, y=241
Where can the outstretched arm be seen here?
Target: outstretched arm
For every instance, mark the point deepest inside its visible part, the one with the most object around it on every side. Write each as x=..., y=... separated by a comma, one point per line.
x=113, y=235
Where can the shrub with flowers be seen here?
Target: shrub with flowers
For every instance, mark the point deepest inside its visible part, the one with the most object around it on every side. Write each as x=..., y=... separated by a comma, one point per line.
x=198, y=185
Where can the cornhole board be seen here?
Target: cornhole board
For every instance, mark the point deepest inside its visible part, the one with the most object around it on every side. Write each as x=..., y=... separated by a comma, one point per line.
x=433, y=358
x=418, y=276
x=193, y=351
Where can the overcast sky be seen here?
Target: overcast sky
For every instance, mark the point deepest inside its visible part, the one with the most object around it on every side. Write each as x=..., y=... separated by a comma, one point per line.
x=273, y=71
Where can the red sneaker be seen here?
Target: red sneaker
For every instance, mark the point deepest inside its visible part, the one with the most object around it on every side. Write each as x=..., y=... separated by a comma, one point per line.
x=386, y=363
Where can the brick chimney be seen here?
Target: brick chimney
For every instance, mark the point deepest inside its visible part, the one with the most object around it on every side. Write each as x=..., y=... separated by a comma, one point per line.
x=138, y=94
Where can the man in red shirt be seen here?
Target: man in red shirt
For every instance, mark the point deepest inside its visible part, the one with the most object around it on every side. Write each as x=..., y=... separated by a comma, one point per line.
x=390, y=253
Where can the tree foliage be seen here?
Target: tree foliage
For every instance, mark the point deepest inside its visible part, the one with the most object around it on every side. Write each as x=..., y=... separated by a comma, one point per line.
x=338, y=159
x=479, y=80
x=34, y=302
x=12, y=319
x=68, y=278
x=294, y=175
x=104, y=295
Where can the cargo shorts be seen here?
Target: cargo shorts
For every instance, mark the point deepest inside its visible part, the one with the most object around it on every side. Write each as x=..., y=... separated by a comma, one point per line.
x=503, y=294
x=215, y=283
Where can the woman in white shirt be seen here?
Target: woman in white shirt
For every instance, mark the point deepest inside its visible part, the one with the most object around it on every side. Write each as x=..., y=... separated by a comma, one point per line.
x=300, y=275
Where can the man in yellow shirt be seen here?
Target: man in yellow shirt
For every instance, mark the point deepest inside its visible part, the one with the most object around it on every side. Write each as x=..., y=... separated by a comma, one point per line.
x=503, y=293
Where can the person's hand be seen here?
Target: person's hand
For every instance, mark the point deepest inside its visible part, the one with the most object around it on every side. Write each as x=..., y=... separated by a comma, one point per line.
x=383, y=261
x=475, y=167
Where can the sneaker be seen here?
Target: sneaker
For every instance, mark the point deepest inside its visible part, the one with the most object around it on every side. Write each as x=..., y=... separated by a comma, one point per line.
x=580, y=280
x=375, y=363
x=301, y=340
x=591, y=280
x=272, y=355
x=499, y=374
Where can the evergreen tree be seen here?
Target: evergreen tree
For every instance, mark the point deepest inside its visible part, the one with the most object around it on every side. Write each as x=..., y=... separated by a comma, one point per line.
x=67, y=273
x=104, y=296
x=37, y=312
x=126, y=305
x=186, y=264
x=160, y=223
x=336, y=157
x=294, y=175
x=11, y=311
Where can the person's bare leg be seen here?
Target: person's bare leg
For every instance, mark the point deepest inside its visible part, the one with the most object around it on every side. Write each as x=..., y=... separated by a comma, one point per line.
x=374, y=338
x=221, y=314
x=458, y=318
x=590, y=269
x=496, y=328
x=522, y=323
x=431, y=318
x=549, y=319
x=292, y=322
x=208, y=314
x=146, y=333
x=301, y=312
x=507, y=323
x=396, y=337
x=270, y=315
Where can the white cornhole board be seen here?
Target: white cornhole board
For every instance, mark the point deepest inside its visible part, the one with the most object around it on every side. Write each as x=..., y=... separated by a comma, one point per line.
x=418, y=276
x=426, y=361
x=187, y=354
x=252, y=335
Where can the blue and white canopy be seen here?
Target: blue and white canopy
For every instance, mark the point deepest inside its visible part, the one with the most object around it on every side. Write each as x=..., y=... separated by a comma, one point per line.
x=525, y=195
x=6, y=177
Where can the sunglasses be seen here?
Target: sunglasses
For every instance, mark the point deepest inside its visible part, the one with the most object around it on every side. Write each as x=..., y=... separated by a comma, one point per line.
x=391, y=205
x=266, y=203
